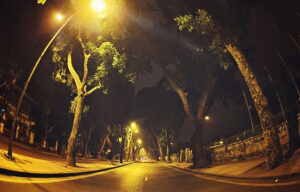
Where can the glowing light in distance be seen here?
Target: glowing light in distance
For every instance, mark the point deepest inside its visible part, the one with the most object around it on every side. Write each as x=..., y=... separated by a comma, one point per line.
x=133, y=125
x=139, y=141
x=207, y=118
x=98, y=5
x=59, y=17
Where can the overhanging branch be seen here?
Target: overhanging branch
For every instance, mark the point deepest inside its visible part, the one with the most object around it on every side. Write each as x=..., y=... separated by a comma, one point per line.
x=73, y=72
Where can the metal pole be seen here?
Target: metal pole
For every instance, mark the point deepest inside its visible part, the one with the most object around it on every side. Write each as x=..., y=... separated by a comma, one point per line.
x=294, y=41
x=250, y=116
x=13, y=127
x=277, y=93
x=291, y=76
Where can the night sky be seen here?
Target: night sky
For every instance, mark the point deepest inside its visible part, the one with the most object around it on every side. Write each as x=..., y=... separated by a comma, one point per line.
x=26, y=28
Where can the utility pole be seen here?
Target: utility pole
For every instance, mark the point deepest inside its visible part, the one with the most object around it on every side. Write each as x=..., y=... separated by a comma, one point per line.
x=294, y=41
x=277, y=93
x=291, y=76
x=122, y=144
x=250, y=116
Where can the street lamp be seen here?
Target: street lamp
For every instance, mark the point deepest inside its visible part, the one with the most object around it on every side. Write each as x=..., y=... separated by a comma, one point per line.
x=139, y=141
x=207, y=118
x=133, y=125
x=97, y=5
x=59, y=16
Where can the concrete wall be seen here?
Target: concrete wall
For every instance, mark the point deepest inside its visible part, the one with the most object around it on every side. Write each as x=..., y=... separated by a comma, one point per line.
x=239, y=149
x=248, y=147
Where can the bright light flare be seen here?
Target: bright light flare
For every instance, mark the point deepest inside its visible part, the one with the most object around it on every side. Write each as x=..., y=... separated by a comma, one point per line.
x=139, y=141
x=98, y=5
x=133, y=125
x=59, y=17
x=207, y=118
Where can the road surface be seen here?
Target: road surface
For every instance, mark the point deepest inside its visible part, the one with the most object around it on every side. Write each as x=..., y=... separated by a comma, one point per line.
x=141, y=177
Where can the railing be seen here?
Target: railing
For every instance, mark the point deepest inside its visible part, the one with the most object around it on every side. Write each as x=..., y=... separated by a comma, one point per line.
x=277, y=120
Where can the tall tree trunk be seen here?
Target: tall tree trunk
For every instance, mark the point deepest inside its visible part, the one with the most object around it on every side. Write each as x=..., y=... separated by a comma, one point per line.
x=168, y=146
x=87, y=142
x=198, y=153
x=199, y=158
x=156, y=149
x=102, y=146
x=106, y=139
x=161, y=152
x=270, y=132
x=71, y=161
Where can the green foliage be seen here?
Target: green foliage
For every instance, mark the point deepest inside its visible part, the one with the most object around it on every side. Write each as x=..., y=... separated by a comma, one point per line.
x=206, y=29
x=104, y=55
x=201, y=22
x=73, y=105
x=42, y=2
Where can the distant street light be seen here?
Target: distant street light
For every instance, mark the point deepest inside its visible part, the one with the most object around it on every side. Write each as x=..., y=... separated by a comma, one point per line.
x=97, y=5
x=59, y=16
x=133, y=125
x=207, y=118
x=139, y=141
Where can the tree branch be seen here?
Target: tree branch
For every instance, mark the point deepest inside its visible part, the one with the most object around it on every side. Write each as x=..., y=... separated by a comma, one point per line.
x=51, y=128
x=73, y=72
x=182, y=95
x=86, y=58
x=202, y=107
x=92, y=90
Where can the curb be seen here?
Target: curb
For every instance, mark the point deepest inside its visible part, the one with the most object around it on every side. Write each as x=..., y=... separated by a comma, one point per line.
x=267, y=179
x=55, y=175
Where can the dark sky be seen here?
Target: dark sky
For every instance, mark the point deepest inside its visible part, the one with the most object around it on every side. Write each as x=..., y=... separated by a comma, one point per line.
x=26, y=28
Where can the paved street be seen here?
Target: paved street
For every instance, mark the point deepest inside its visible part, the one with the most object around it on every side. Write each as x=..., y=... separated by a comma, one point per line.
x=141, y=177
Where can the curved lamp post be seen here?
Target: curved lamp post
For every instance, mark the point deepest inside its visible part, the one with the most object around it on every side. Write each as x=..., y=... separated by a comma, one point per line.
x=97, y=5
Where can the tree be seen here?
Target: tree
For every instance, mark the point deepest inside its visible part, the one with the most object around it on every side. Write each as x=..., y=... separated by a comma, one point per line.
x=162, y=116
x=104, y=55
x=202, y=23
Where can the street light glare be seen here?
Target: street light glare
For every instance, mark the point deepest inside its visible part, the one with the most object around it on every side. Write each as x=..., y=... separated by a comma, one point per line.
x=207, y=118
x=139, y=141
x=133, y=125
x=98, y=5
x=59, y=17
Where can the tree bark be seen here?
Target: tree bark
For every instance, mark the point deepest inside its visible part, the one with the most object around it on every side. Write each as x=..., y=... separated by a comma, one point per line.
x=161, y=153
x=71, y=161
x=106, y=139
x=199, y=159
x=270, y=132
x=87, y=142
x=168, y=146
x=102, y=146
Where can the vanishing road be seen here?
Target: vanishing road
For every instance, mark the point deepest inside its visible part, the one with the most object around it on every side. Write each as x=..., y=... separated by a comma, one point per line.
x=137, y=177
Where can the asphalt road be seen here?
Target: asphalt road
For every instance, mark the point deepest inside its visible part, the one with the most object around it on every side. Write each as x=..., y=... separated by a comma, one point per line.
x=141, y=177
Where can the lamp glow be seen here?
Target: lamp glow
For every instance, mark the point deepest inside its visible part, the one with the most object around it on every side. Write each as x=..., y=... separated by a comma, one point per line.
x=133, y=125
x=59, y=17
x=139, y=141
x=98, y=5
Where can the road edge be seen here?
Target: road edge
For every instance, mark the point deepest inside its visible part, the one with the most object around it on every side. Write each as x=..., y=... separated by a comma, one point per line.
x=255, y=181
x=9, y=172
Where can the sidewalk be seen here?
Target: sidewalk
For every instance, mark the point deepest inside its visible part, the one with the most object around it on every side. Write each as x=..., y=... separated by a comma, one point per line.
x=251, y=168
x=29, y=150
x=29, y=160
